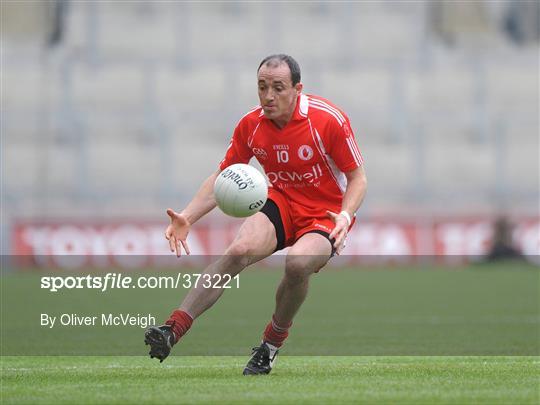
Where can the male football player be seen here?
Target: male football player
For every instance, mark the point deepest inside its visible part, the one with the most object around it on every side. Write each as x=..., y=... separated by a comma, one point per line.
x=317, y=182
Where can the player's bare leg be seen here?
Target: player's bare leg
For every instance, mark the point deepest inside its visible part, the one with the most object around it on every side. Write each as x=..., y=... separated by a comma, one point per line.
x=308, y=255
x=256, y=240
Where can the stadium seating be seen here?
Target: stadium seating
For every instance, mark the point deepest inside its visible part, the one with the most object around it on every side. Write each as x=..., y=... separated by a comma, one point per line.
x=138, y=102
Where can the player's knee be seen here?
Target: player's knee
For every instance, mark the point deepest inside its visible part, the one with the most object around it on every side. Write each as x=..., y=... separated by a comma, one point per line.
x=238, y=248
x=298, y=268
x=239, y=252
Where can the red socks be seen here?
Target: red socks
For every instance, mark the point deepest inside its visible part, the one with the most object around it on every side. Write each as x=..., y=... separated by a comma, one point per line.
x=180, y=322
x=276, y=334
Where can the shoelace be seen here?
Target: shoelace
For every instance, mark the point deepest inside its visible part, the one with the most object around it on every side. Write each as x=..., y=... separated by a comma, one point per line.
x=258, y=355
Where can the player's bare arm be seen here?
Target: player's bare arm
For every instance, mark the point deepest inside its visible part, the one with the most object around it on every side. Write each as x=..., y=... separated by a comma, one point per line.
x=203, y=202
x=352, y=199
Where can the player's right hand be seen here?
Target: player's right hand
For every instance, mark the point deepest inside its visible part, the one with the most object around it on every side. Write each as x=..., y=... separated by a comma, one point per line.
x=177, y=232
x=339, y=233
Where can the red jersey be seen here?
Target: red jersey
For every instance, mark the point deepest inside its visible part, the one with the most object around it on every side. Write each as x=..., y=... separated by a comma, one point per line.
x=306, y=159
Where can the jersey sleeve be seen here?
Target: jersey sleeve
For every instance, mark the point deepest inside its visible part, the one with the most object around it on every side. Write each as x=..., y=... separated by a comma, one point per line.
x=344, y=149
x=238, y=150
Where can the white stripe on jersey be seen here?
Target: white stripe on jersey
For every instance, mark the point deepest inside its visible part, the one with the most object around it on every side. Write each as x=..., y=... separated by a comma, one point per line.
x=330, y=107
x=315, y=103
x=355, y=147
x=353, y=151
x=337, y=175
x=360, y=158
x=341, y=178
x=250, y=139
x=316, y=106
x=320, y=103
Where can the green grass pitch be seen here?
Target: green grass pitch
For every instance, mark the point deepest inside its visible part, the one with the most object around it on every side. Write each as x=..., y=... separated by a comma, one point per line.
x=463, y=335
x=297, y=379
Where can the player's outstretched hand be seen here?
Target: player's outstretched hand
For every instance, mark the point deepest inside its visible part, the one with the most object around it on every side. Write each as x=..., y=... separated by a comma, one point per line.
x=177, y=232
x=339, y=233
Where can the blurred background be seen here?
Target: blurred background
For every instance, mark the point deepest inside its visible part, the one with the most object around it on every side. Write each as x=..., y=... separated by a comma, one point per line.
x=112, y=111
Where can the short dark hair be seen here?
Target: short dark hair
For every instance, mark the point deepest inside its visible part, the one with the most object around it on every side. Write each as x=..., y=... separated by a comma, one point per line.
x=276, y=60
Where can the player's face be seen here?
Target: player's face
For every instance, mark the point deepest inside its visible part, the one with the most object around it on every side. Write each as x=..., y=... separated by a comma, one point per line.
x=276, y=93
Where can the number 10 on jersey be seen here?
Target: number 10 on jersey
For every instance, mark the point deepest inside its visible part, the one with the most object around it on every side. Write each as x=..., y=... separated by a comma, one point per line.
x=282, y=156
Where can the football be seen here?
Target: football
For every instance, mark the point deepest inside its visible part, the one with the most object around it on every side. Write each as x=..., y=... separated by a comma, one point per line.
x=240, y=190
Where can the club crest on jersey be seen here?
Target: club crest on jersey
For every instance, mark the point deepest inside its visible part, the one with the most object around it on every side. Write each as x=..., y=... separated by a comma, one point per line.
x=260, y=153
x=305, y=152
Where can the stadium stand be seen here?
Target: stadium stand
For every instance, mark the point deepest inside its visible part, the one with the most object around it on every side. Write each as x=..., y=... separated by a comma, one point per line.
x=135, y=103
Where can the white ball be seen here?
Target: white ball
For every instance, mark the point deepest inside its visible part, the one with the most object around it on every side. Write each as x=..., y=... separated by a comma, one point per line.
x=240, y=190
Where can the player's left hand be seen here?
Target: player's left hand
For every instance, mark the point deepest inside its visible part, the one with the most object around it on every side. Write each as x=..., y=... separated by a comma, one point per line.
x=339, y=233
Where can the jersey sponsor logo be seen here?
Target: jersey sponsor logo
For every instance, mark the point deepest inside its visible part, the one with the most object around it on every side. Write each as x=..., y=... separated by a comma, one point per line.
x=294, y=177
x=260, y=153
x=305, y=152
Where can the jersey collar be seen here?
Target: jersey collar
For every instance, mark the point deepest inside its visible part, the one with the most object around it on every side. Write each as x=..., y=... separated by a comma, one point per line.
x=302, y=106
